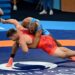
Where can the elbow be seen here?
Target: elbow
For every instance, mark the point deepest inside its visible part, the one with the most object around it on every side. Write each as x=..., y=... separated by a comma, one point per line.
x=25, y=51
x=34, y=46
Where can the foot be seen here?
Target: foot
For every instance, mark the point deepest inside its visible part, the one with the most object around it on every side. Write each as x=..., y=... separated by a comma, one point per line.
x=15, y=7
x=72, y=58
x=51, y=12
x=43, y=12
x=1, y=12
x=10, y=62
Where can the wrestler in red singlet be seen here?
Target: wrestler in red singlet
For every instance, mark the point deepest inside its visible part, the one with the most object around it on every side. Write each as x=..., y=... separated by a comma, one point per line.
x=46, y=42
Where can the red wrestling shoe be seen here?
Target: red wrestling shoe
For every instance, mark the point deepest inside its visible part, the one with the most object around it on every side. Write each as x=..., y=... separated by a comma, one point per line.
x=10, y=62
x=72, y=58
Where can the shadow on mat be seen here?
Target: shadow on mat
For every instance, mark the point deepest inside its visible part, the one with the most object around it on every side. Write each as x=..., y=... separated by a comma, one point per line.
x=66, y=64
x=65, y=61
x=29, y=67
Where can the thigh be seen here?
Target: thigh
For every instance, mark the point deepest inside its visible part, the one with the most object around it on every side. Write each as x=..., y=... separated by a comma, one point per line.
x=65, y=49
x=60, y=53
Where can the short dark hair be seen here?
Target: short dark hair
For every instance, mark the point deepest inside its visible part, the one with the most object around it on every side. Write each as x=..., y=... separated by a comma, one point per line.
x=10, y=32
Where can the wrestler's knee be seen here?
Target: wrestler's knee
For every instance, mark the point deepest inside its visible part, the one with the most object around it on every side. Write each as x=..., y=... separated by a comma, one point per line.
x=63, y=56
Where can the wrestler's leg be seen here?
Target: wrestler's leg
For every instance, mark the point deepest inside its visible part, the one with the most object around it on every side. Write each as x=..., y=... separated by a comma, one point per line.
x=59, y=53
x=63, y=52
x=68, y=51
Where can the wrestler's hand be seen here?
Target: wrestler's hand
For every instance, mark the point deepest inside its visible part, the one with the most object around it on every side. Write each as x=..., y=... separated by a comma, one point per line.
x=11, y=21
x=10, y=62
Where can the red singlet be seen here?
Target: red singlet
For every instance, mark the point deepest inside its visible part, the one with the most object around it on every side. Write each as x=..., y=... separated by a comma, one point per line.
x=46, y=43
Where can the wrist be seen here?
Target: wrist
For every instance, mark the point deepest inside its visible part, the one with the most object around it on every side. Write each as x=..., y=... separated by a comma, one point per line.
x=12, y=55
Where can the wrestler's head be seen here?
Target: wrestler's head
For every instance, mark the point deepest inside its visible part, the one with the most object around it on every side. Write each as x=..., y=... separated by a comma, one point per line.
x=25, y=23
x=12, y=34
x=32, y=27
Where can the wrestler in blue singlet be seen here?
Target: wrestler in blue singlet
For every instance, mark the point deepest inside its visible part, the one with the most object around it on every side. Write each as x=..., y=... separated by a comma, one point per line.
x=40, y=27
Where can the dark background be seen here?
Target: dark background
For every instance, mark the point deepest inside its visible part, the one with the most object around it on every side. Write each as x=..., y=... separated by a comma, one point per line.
x=26, y=9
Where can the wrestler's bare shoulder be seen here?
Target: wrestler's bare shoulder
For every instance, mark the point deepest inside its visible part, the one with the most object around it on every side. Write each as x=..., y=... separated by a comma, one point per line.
x=27, y=38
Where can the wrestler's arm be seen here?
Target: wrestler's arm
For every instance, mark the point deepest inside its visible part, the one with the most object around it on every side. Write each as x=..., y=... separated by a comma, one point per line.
x=14, y=50
x=16, y=45
x=14, y=22
x=36, y=39
x=37, y=35
x=18, y=27
x=23, y=44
